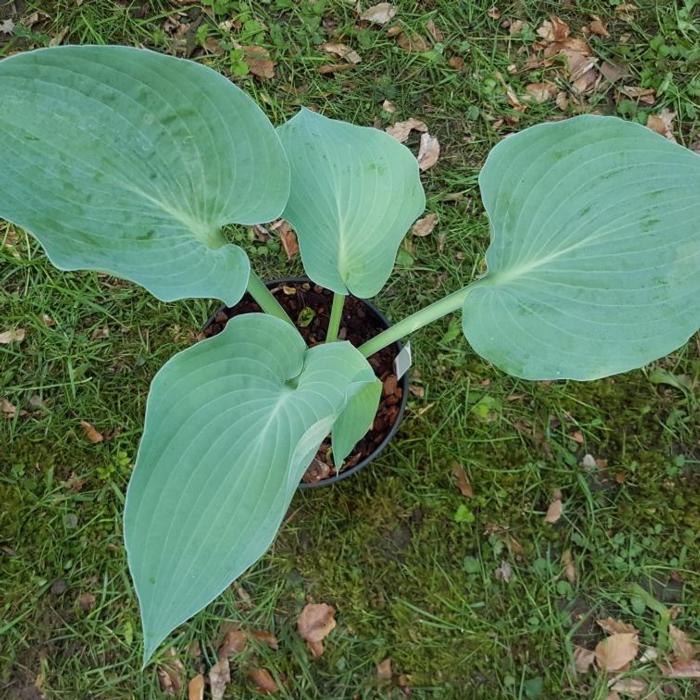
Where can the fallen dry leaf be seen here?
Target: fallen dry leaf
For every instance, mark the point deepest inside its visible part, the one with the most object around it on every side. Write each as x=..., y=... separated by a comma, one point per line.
x=169, y=673
x=645, y=95
x=263, y=680
x=219, y=678
x=681, y=669
x=388, y=106
x=288, y=238
x=434, y=32
x=662, y=123
x=597, y=26
x=86, y=601
x=58, y=39
x=259, y=62
x=562, y=101
x=611, y=626
x=235, y=641
x=47, y=320
x=494, y=12
x=424, y=226
x=265, y=637
x=541, y=92
x=379, y=14
x=516, y=26
x=456, y=62
x=616, y=651
x=583, y=659
x=683, y=649
x=413, y=43
x=401, y=130
x=384, y=670
x=553, y=30
x=7, y=26
x=100, y=333
x=504, y=572
x=614, y=71
x=91, y=433
x=8, y=409
x=632, y=687
x=567, y=560
x=17, y=335
x=554, y=512
x=462, y=481
x=315, y=623
x=329, y=68
x=343, y=51
x=195, y=688
x=428, y=152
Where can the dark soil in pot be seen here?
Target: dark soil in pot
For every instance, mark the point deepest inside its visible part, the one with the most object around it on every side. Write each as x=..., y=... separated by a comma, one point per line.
x=309, y=306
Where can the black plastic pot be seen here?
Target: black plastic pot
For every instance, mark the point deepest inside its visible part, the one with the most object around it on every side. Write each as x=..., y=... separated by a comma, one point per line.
x=403, y=382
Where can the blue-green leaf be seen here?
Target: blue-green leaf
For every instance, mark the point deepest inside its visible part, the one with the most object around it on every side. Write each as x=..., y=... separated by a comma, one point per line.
x=594, y=264
x=129, y=162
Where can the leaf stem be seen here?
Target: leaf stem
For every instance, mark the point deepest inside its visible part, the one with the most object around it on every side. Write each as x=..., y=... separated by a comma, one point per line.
x=265, y=298
x=336, y=316
x=438, y=309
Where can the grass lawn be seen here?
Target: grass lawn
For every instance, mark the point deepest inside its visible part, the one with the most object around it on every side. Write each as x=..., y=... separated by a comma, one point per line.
x=468, y=596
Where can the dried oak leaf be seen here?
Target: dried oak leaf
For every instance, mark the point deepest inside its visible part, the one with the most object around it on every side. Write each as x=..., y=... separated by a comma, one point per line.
x=169, y=673
x=235, y=641
x=388, y=106
x=662, y=123
x=597, y=26
x=616, y=651
x=611, y=626
x=288, y=238
x=462, y=481
x=424, y=227
x=343, y=51
x=681, y=669
x=86, y=601
x=401, y=130
x=553, y=30
x=683, y=649
x=91, y=433
x=434, y=32
x=554, y=512
x=541, y=92
x=315, y=623
x=567, y=560
x=17, y=335
x=494, y=12
x=428, y=152
x=219, y=678
x=583, y=659
x=334, y=68
x=259, y=62
x=263, y=680
x=195, y=688
x=384, y=672
x=265, y=637
x=8, y=409
x=630, y=687
x=504, y=572
x=413, y=43
x=379, y=14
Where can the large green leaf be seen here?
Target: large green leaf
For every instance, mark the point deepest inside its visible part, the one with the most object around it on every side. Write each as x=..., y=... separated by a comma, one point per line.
x=594, y=264
x=355, y=191
x=354, y=422
x=129, y=162
x=231, y=425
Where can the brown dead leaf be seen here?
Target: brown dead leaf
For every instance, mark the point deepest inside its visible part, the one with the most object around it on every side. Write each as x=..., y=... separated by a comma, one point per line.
x=288, y=238
x=219, y=678
x=662, y=123
x=100, y=333
x=379, y=14
x=86, y=601
x=626, y=11
x=169, y=673
x=384, y=671
x=583, y=658
x=504, y=572
x=388, y=106
x=195, y=688
x=645, y=95
x=265, y=637
x=681, y=669
x=434, y=32
x=314, y=624
x=541, y=92
x=428, y=152
x=456, y=62
x=329, y=68
x=235, y=641
x=413, y=43
x=494, y=12
x=401, y=130
x=611, y=626
x=47, y=320
x=597, y=26
x=554, y=512
x=631, y=687
x=91, y=433
x=342, y=50
x=8, y=409
x=616, y=651
x=462, y=481
x=424, y=227
x=263, y=680
x=553, y=30
x=259, y=62
x=58, y=39
x=614, y=71
x=16, y=335
x=567, y=560
x=562, y=101
x=683, y=649
x=516, y=26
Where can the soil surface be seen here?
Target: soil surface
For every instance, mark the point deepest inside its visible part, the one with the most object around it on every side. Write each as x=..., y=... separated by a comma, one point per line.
x=309, y=306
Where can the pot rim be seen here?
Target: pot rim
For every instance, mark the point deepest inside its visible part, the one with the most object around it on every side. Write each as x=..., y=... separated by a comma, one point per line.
x=403, y=382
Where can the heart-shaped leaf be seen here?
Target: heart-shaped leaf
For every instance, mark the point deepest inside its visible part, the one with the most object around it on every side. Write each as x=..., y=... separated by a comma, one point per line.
x=231, y=425
x=355, y=191
x=595, y=252
x=129, y=162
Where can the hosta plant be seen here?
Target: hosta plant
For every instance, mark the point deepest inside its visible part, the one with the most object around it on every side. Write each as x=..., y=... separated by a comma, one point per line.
x=130, y=162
